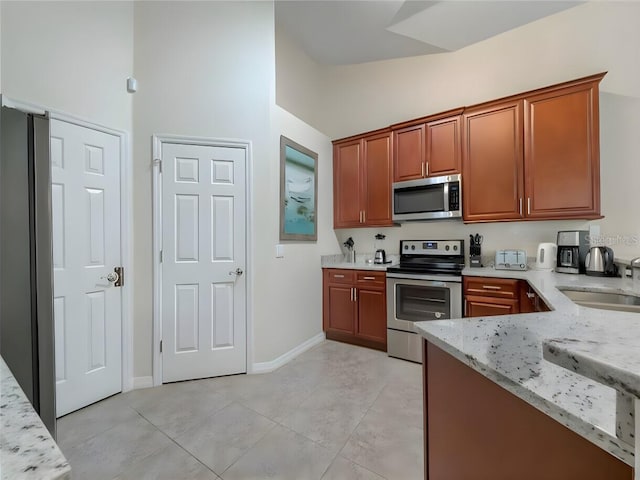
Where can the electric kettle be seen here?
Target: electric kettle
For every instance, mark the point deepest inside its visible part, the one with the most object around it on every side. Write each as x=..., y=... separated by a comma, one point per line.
x=546, y=256
x=599, y=262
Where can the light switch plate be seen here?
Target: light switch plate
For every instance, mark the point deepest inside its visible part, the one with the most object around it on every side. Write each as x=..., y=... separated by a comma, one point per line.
x=279, y=251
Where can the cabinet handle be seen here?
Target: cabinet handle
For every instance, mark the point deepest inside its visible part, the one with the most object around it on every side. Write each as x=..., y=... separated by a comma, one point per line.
x=351, y=294
x=426, y=169
x=464, y=312
x=360, y=216
x=491, y=287
x=520, y=208
x=338, y=276
x=369, y=278
x=422, y=169
x=355, y=294
x=364, y=217
x=528, y=205
x=531, y=295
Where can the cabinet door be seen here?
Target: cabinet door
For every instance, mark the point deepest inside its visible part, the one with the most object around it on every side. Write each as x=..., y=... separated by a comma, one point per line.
x=377, y=176
x=372, y=315
x=492, y=163
x=347, y=168
x=341, y=304
x=444, y=147
x=408, y=153
x=562, y=161
x=491, y=287
x=487, y=306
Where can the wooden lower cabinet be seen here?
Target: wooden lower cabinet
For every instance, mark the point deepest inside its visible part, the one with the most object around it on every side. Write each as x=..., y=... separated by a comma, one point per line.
x=474, y=429
x=487, y=296
x=355, y=307
x=486, y=306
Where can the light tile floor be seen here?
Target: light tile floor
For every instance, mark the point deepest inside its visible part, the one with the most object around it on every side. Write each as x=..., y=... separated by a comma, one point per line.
x=335, y=412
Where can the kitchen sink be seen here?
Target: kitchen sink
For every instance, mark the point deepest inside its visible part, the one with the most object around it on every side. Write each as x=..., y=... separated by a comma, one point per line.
x=604, y=300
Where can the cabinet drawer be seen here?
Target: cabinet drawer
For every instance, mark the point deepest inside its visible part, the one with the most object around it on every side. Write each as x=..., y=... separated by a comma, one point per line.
x=364, y=278
x=491, y=287
x=337, y=275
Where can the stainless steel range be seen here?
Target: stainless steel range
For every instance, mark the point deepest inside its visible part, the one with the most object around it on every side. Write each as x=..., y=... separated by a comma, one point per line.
x=427, y=285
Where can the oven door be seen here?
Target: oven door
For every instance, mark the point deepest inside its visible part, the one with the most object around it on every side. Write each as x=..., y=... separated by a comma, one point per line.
x=415, y=300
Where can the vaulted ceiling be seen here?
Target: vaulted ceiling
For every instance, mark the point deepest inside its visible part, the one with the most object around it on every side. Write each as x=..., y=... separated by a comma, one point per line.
x=346, y=32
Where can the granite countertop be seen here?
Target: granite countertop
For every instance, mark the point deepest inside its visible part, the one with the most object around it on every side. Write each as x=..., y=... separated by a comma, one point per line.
x=508, y=349
x=27, y=450
x=361, y=263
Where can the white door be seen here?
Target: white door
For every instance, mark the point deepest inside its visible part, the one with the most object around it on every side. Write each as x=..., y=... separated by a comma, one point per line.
x=85, y=173
x=203, y=250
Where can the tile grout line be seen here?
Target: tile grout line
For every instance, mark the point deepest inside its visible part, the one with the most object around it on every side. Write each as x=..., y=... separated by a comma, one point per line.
x=175, y=443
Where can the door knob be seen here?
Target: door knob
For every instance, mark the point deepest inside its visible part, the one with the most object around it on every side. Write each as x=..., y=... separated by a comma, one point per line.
x=238, y=271
x=111, y=277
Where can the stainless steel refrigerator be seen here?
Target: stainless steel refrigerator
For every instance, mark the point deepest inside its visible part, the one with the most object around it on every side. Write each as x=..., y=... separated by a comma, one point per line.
x=26, y=275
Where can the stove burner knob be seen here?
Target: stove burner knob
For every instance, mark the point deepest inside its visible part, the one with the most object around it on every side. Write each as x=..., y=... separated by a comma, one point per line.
x=406, y=247
x=413, y=247
x=455, y=247
x=447, y=248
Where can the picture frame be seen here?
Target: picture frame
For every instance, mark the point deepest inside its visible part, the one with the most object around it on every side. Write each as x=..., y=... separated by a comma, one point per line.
x=298, y=192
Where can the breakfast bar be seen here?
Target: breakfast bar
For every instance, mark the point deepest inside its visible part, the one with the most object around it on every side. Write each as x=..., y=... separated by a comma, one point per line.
x=568, y=363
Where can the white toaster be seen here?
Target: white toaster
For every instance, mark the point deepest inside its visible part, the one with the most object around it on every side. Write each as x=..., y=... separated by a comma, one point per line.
x=511, y=260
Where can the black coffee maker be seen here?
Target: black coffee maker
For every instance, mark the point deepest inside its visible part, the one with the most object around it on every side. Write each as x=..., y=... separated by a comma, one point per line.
x=573, y=246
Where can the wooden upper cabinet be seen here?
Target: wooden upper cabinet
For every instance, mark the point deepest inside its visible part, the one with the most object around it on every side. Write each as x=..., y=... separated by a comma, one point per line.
x=347, y=168
x=562, y=165
x=492, y=162
x=534, y=156
x=377, y=166
x=444, y=146
x=429, y=148
x=362, y=173
x=408, y=153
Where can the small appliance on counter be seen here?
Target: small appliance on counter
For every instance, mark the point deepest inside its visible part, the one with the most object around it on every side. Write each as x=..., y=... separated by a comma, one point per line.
x=572, y=251
x=546, y=257
x=599, y=262
x=511, y=260
x=475, y=250
x=380, y=257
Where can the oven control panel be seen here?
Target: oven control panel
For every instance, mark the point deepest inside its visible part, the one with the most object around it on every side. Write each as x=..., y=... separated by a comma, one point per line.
x=432, y=247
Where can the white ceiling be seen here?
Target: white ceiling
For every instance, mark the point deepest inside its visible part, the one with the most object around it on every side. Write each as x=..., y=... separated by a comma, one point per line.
x=335, y=32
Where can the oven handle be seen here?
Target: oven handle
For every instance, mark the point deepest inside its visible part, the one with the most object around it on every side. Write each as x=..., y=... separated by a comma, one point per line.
x=429, y=280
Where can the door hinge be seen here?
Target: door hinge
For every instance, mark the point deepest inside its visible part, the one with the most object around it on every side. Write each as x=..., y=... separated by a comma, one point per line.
x=160, y=346
x=161, y=256
x=158, y=162
x=120, y=272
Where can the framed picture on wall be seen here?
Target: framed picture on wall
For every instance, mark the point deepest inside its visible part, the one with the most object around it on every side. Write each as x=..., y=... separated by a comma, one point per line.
x=298, y=192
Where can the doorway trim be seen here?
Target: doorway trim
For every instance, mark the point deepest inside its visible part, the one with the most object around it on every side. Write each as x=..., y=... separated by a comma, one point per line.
x=126, y=220
x=158, y=141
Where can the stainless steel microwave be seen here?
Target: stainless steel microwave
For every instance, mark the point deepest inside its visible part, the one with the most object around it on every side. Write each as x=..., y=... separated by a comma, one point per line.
x=427, y=199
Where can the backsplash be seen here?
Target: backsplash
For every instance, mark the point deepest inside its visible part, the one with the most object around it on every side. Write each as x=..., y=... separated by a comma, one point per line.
x=496, y=236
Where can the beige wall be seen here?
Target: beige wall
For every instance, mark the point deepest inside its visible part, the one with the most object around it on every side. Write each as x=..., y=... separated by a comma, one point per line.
x=590, y=38
x=298, y=80
x=293, y=295
x=203, y=69
x=70, y=56
x=214, y=76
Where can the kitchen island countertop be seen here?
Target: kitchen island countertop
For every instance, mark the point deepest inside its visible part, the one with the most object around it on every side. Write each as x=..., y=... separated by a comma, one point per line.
x=508, y=349
x=27, y=450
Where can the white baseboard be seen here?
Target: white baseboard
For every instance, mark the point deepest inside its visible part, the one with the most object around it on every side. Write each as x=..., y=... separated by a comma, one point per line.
x=266, y=367
x=142, y=382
